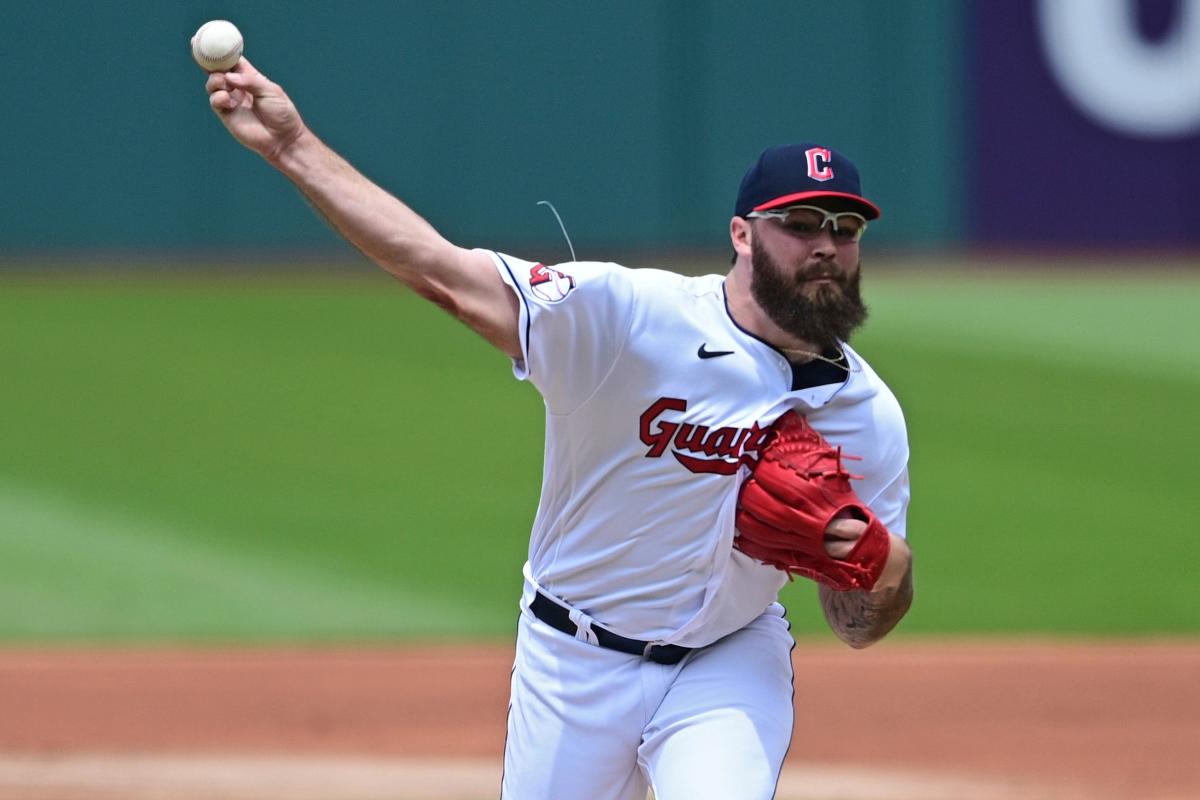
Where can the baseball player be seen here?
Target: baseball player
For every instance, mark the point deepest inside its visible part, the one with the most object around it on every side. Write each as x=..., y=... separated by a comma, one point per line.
x=707, y=438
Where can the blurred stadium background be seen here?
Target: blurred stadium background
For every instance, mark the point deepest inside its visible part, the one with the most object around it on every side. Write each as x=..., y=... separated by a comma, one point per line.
x=219, y=423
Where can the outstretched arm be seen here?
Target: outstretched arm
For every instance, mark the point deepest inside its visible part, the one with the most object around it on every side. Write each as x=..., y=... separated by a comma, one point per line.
x=861, y=618
x=259, y=114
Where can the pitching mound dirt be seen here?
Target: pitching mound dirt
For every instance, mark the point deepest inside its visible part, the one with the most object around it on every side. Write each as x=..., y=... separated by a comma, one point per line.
x=934, y=721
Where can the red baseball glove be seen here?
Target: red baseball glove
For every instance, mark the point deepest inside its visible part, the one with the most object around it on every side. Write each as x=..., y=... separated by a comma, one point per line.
x=797, y=488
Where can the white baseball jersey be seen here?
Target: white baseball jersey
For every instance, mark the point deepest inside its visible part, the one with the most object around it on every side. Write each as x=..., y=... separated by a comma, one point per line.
x=655, y=402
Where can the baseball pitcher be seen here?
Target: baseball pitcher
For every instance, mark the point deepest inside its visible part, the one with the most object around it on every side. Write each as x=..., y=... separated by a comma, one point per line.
x=707, y=440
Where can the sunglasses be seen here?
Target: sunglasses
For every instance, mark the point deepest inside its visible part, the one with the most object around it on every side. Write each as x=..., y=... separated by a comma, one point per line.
x=806, y=222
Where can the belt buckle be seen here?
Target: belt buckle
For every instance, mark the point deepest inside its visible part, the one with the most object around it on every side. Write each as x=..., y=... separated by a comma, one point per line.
x=664, y=653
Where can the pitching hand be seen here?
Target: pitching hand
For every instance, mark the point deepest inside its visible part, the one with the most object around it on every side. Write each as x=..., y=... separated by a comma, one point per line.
x=256, y=111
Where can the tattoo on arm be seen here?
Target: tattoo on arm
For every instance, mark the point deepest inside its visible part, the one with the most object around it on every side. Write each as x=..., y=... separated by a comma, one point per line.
x=862, y=618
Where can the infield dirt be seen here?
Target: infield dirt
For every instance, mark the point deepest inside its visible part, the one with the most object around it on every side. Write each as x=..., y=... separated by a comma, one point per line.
x=905, y=720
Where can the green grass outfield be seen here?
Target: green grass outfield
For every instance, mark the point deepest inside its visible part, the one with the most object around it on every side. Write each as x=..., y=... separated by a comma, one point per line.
x=308, y=457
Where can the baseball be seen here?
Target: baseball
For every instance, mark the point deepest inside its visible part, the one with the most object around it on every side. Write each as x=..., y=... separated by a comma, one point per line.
x=217, y=46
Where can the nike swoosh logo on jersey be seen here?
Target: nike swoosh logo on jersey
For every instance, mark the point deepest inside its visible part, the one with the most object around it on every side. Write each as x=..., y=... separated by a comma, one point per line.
x=712, y=353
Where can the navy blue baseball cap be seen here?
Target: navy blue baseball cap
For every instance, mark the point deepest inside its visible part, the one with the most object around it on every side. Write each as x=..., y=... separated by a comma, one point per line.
x=790, y=174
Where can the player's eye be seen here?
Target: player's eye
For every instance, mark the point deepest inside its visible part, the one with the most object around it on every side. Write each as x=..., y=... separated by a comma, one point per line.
x=807, y=223
x=803, y=223
x=848, y=230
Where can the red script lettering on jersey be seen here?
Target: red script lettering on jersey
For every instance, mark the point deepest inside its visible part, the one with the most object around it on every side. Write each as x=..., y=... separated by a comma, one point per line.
x=717, y=451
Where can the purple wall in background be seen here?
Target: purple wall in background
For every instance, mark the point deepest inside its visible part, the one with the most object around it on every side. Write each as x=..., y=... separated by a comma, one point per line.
x=1046, y=168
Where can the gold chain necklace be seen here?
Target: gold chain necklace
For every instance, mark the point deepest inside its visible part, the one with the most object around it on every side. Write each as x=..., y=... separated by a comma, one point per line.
x=841, y=362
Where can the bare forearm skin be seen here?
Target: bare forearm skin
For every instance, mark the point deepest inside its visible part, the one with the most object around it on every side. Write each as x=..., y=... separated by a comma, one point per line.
x=259, y=115
x=399, y=240
x=383, y=228
x=862, y=618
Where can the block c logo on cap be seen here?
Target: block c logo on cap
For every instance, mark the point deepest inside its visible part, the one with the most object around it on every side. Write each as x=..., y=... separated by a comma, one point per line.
x=819, y=163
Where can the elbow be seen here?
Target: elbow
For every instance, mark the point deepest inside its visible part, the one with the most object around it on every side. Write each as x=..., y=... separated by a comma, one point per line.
x=887, y=621
x=439, y=296
x=859, y=618
x=857, y=639
x=864, y=639
x=857, y=643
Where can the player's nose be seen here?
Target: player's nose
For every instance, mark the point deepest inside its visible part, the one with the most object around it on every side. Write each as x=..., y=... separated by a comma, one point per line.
x=823, y=242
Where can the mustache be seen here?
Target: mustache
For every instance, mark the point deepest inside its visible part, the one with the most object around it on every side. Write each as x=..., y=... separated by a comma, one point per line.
x=821, y=316
x=822, y=271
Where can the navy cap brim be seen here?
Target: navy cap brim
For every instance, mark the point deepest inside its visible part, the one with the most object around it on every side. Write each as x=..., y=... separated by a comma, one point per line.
x=864, y=206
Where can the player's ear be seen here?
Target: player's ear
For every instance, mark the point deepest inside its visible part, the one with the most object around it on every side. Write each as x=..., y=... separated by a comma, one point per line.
x=739, y=236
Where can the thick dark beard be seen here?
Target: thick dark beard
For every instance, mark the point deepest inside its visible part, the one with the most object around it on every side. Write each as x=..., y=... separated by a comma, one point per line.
x=822, y=317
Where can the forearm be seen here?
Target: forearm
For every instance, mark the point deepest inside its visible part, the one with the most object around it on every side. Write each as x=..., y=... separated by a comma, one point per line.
x=861, y=618
x=384, y=229
x=463, y=282
x=259, y=114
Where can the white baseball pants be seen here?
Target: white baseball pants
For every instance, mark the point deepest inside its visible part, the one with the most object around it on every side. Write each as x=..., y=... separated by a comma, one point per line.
x=588, y=723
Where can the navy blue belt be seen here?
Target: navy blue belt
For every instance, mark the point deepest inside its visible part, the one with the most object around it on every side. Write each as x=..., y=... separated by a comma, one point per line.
x=559, y=618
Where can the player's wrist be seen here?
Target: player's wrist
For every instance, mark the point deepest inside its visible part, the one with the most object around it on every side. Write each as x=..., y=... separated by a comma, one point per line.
x=294, y=153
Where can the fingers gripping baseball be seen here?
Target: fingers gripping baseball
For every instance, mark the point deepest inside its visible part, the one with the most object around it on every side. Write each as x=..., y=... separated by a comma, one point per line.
x=256, y=111
x=798, y=513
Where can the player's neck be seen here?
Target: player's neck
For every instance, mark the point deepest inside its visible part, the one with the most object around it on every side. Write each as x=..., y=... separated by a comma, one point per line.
x=750, y=316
